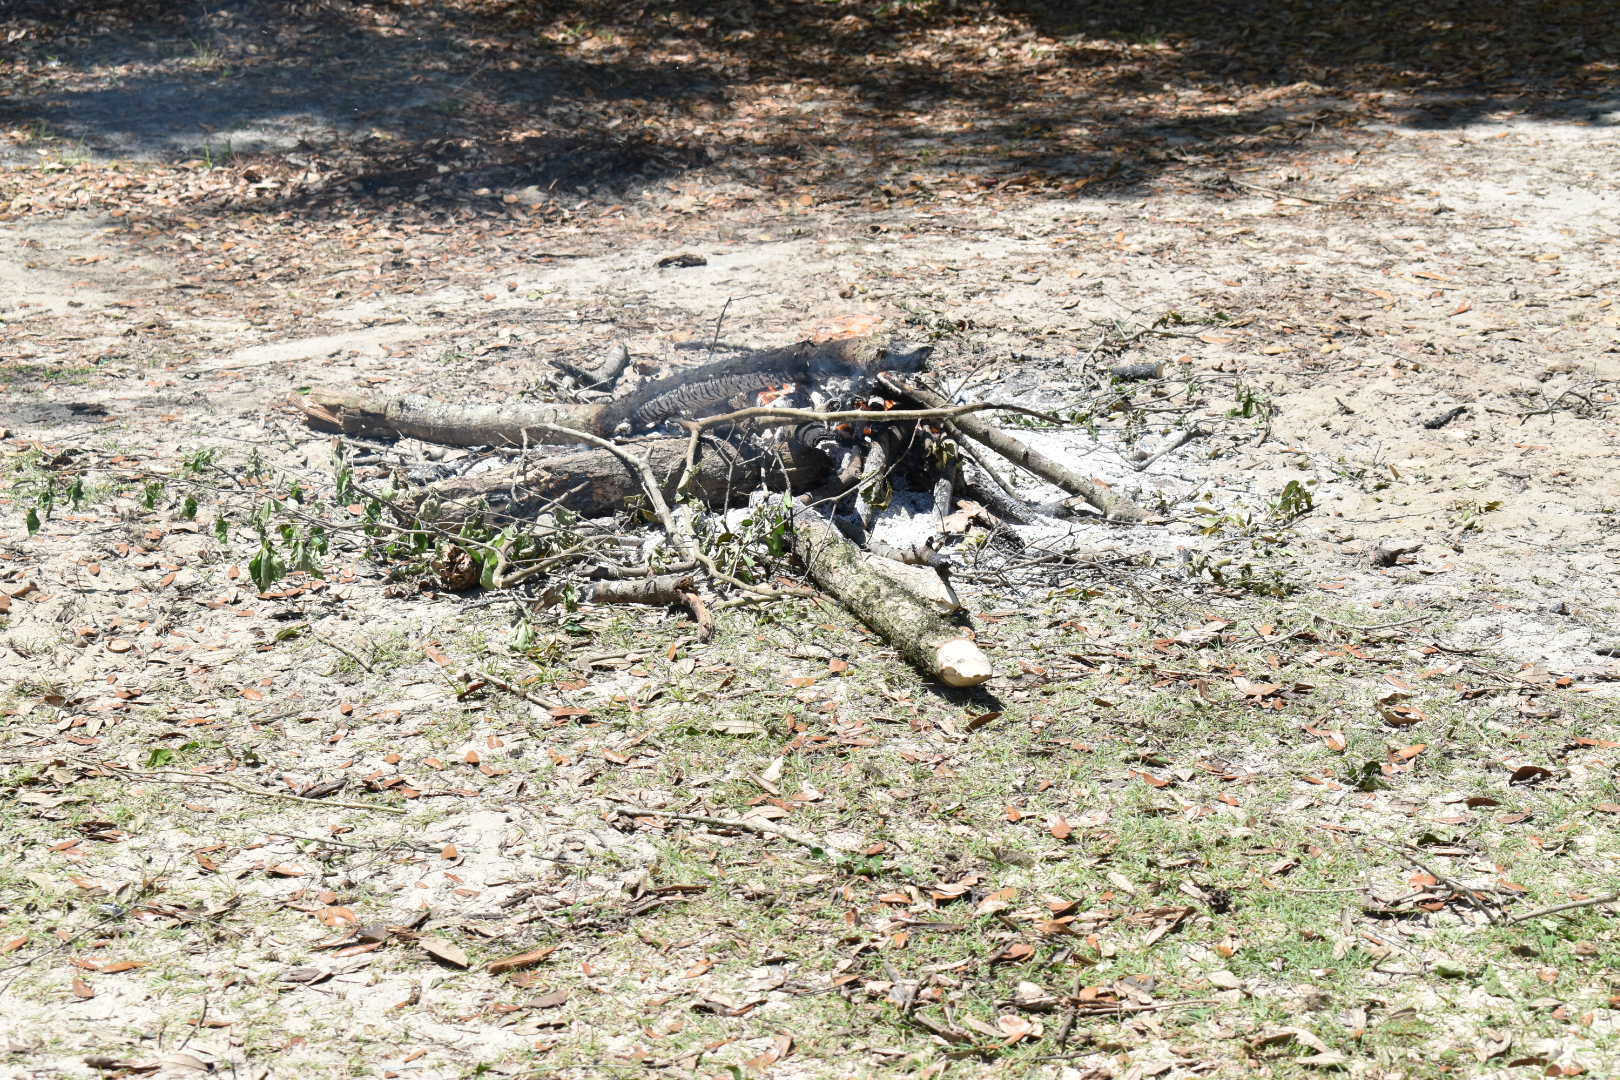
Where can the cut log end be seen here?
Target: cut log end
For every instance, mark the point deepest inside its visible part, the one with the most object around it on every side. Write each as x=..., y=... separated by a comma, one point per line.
x=959, y=662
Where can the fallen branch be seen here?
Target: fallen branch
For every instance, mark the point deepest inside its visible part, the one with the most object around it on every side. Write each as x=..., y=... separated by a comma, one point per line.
x=1176, y=442
x=983, y=486
x=599, y=482
x=906, y=621
x=691, y=393
x=605, y=371
x=688, y=393
x=417, y=417
x=661, y=590
x=681, y=537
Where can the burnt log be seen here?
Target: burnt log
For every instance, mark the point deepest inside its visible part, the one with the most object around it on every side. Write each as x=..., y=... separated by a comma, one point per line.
x=690, y=394
x=711, y=388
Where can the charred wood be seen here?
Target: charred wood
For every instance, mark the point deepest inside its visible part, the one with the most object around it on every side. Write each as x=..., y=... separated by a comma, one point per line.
x=1113, y=507
x=708, y=389
x=688, y=394
x=596, y=482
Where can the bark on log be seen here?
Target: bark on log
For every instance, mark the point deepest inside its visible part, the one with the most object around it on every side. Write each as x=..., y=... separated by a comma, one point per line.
x=923, y=581
x=841, y=569
x=595, y=482
x=1113, y=507
x=446, y=423
x=665, y=590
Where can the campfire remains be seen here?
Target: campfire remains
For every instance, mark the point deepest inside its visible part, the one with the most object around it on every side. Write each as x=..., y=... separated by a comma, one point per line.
x=826, y=426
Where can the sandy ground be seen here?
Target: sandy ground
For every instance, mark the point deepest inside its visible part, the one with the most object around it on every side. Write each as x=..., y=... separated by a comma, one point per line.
x=1313, y=311
x=1474, y=269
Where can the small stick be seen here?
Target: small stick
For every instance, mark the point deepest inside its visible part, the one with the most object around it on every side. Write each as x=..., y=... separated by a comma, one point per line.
x=55, y=947
x=1274, y=193
x=335, y=647
x=1182, y=438
x=758, y=828
x=474, y=674
x=1068, y=1026
x=1375, y=626
x=1594, y=901
x=1106, y=1008
x=392, y=845
x=1492, y=913
x=196, y=779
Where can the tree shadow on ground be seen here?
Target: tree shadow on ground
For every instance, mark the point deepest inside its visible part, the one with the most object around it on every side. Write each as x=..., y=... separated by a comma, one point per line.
x=466, y=100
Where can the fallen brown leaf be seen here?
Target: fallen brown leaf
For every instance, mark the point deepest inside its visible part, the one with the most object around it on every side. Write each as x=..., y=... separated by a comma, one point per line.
x=445, y=951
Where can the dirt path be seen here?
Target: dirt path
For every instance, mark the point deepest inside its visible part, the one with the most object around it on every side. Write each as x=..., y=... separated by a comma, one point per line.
x=1268, y=843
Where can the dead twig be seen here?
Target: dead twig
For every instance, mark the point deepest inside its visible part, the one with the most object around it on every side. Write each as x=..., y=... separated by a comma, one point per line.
x=1473, y=896
x=1373, y=626
x=335, y=647
x=1111, y=1008
x=759, y=827
x=475, y=676
x=1591, y=901
x=184, y=778
x=946, y=411
x=1180, y=439
x=1274, y=193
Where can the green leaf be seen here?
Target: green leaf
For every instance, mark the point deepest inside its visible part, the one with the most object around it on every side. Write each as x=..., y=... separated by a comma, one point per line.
x=1370, y=777
x=33, y=521
x=266, y=568
x=159, y=757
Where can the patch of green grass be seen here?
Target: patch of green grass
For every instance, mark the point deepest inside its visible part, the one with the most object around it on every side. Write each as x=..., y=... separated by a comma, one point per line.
x=19, y=373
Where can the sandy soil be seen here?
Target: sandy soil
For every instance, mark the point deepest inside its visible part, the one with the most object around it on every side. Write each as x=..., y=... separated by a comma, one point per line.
x=1314, y=307
x=1474, y=268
